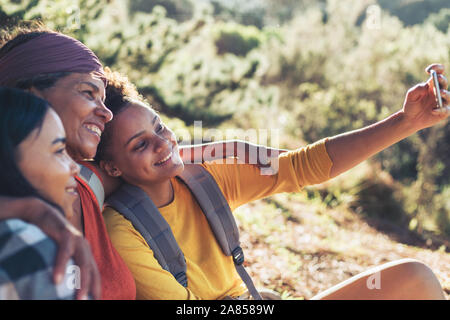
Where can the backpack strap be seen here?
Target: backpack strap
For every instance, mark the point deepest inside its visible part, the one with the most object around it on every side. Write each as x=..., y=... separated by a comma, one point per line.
x=94, y=182
x=135, y=205
x=219, y=216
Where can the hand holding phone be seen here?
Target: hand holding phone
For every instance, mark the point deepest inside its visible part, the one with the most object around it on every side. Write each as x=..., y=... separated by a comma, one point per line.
x=437, y=89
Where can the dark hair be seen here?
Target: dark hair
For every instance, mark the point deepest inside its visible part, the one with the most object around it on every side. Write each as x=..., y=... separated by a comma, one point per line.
x=20, y=114
x=18, y=36
x=120, y=92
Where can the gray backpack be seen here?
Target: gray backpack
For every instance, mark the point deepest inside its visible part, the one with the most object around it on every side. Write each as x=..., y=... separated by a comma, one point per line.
x=135, y=205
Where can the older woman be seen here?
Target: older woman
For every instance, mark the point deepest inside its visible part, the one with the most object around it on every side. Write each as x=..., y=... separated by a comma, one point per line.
x=70, y=77
x=63, y=71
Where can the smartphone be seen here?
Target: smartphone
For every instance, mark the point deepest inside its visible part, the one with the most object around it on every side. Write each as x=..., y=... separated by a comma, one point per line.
x=436, y=88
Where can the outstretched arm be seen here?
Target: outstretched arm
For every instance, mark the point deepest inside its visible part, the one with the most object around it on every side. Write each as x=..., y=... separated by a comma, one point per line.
x=419, y=111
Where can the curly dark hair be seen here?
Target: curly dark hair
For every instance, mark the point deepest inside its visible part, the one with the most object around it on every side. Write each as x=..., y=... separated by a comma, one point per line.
x=120, y=92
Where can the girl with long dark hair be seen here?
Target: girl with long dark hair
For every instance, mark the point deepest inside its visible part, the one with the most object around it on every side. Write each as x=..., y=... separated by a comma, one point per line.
x=34, y=163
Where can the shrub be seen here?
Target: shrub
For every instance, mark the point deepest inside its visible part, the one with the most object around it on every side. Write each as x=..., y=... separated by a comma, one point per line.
x=236, y=39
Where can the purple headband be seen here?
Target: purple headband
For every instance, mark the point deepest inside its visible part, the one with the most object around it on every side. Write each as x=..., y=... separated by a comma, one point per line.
x=48, y=53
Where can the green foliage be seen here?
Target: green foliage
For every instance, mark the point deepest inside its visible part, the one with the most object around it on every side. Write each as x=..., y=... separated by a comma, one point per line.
x=440, y=20
x=13, y=12
x=413, y=12
x=335, y=111
x=368, y=193
x=236, y=39
x=430, y=205
x=320, y=72
x=261, y=13
x=442, y=211
x=248, y=13
x=180, y=10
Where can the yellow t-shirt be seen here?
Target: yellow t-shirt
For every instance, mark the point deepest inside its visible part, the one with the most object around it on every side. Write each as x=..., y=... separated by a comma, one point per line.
x=211, y=274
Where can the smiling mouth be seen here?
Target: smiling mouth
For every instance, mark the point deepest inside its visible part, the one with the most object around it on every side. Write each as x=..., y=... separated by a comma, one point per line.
x=162, y=161
x=72, y=190
x=94, y=129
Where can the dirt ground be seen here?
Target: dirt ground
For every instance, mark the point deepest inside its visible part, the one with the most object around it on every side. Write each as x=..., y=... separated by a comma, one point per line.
x=301, y=250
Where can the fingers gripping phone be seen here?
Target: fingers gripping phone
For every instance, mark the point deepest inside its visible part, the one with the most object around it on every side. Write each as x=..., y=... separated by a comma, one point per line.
x=437, y=89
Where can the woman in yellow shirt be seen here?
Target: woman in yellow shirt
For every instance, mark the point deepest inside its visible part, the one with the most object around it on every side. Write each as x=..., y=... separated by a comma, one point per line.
x=140, y=149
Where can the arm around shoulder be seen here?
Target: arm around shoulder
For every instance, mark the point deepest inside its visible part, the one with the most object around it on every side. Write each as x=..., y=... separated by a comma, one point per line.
x=152, y=281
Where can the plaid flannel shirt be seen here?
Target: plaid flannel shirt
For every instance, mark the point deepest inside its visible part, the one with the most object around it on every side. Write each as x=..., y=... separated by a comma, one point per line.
x=27, y=258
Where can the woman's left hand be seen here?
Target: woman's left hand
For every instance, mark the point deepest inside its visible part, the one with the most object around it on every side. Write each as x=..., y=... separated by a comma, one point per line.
x=420, y=108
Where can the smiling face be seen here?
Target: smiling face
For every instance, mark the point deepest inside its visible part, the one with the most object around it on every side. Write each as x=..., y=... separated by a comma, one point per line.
x=78, y=100
x=44, y=162
x=142, y=150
